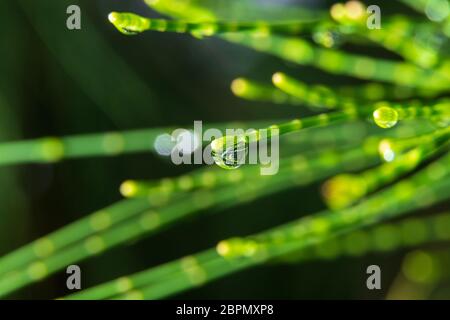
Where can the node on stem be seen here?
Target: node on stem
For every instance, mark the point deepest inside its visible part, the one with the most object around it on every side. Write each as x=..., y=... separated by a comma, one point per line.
x=342, y=190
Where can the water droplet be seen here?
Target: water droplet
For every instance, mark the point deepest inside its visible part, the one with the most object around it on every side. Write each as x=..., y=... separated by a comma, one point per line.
x=385, y=117
x=128, y=23
x=229, y=152
x=437, y=10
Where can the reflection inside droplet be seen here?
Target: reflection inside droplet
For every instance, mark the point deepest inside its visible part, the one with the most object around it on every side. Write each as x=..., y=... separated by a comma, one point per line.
x=128, y=31
x=229, y=152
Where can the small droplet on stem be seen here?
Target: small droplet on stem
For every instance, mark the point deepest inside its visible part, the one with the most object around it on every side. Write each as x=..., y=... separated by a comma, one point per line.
x=229, y=152
x=385, y=117
x=128, y=23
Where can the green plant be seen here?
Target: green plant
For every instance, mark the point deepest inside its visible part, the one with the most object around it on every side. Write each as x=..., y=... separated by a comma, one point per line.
x=385, y=173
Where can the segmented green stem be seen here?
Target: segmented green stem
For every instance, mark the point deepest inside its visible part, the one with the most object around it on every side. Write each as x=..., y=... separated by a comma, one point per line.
x=292, y=49
x=309, y=231
x=396, y=35
x=301, y=52
x=130, y=23
x=75, y=232
x=313, y=95
x=400, y=145
x=255, y=91
x=199, y=269
x=29, y=265
x=296, y=92
x=311, y=122
x=322, y=96
x=208, y=179
x=408, y=233
x=201, y=10
x=414, y=40
x=344, y=189
x=188, y=8
x=51, y=149
x=374, y=91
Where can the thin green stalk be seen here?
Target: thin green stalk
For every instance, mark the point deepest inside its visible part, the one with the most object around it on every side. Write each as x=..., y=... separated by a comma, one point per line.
x=407, y=233
x=345, y=189
x=387, y=114
x=309, y=231
x=81, y=229
x=194, y=271
x=298, y=124
x=297, y=51
x=255, y=91
x=122, y=210
x=390, y=147
x=326, y=97
x=51, y=149
x=374, y=91
x=34, y=267
x=234, y=10
x=130, y=23
x=301, y=52
x=212, y=178
x=395, y=35
x=313, y=95
x=381, y=113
